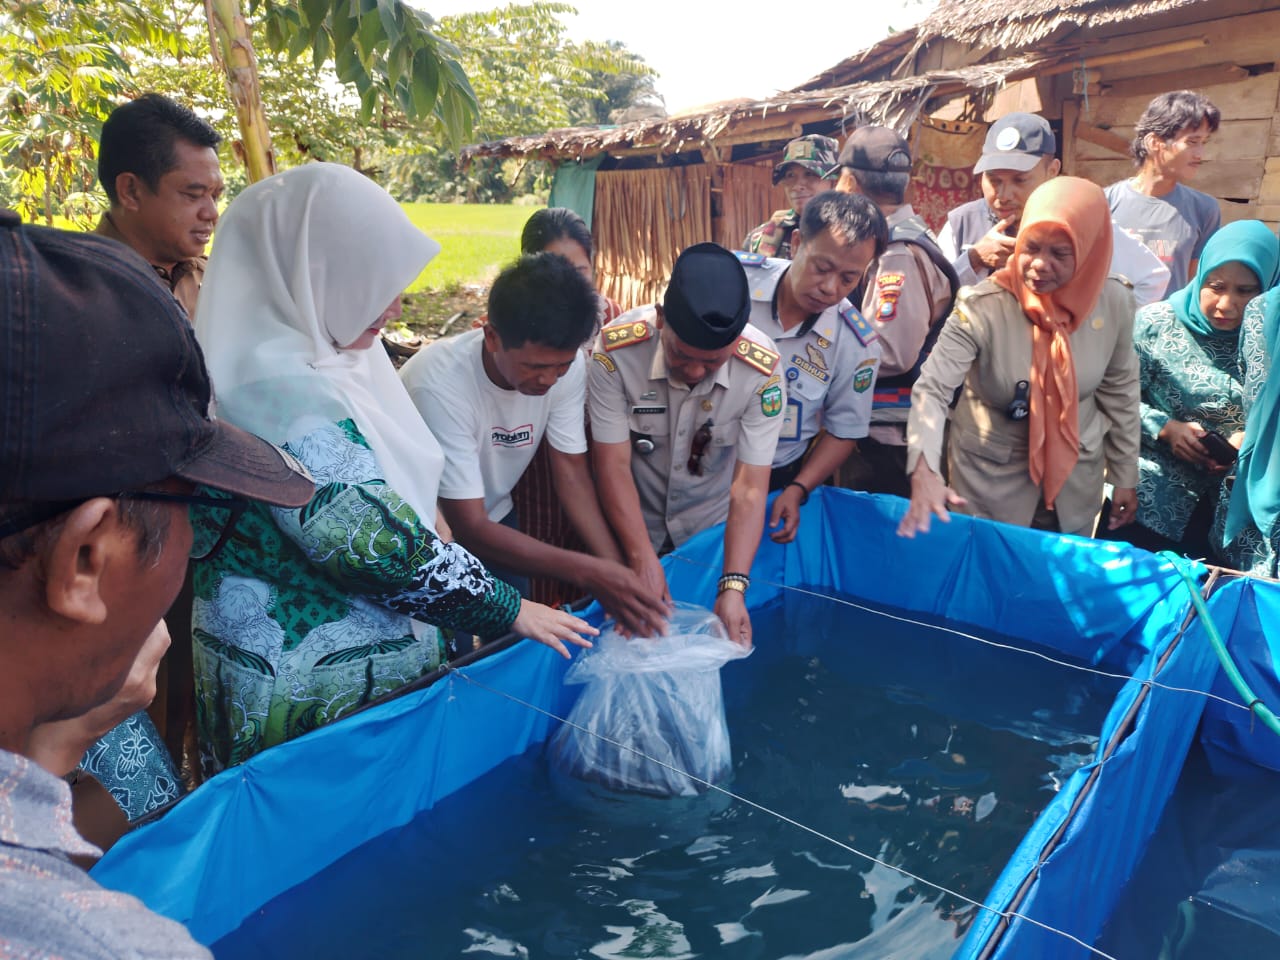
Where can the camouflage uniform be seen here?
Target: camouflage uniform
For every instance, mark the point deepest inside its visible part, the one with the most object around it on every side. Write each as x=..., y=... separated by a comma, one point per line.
x=816, y=154
x=773, y=237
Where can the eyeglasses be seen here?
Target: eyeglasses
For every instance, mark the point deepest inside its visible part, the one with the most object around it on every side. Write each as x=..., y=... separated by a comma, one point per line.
x=701, y=438
x=211, y=528
x=210, y=532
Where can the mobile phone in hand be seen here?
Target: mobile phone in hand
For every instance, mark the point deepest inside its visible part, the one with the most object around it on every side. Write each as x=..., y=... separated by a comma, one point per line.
x=1219, y=449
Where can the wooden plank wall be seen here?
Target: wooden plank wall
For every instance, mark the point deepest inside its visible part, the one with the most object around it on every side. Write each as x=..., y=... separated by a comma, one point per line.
x=1234, y=68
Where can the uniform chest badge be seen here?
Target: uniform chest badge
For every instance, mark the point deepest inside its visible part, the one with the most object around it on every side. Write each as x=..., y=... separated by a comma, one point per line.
x=814, y=364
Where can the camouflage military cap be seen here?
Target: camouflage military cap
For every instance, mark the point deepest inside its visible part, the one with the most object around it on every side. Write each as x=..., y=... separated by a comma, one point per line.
x=815, y=153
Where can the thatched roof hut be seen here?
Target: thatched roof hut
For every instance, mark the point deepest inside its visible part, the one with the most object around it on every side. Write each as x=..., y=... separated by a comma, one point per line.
x=1089, y=66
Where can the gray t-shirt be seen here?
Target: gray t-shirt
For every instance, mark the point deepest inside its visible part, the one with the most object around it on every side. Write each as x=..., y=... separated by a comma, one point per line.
x=1174, y=227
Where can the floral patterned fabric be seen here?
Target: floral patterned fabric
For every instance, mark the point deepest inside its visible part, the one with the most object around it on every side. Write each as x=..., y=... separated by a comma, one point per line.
x=1187, y=377
x=1251, y=550
x=132, y=763
x=306, y=614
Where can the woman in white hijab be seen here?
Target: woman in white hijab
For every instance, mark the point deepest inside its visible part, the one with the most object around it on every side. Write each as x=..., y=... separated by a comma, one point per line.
x=305, y=614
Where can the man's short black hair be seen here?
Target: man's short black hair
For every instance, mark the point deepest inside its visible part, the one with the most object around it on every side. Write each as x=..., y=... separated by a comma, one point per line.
x=542, y=299
x=850, y=216
x=139, y=138
x=1170, y=113
x=883, y=186
x=555, y=223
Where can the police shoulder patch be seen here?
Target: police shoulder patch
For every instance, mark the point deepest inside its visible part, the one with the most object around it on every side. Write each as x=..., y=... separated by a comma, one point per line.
x=771, y=401
x=856, y=322
x=604, y=361
x=625, y=334
x=755, y=355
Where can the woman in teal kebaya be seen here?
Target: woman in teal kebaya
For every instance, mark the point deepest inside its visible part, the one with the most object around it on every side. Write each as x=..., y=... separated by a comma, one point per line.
x=1191, y=379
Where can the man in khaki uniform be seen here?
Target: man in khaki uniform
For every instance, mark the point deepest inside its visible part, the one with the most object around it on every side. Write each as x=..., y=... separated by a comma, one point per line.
x=686, y=400
x=907, y=297
x=807, y=167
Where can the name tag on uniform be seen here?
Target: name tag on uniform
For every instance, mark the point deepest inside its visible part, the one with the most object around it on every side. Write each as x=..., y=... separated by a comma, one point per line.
x=650, y=410
x=792, y=418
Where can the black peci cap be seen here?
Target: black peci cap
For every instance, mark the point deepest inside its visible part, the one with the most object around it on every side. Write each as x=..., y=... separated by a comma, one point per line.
x=105, y=388
x=707, y=301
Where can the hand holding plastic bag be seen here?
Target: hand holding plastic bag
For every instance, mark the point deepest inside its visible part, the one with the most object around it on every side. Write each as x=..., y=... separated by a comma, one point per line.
x=651, y=709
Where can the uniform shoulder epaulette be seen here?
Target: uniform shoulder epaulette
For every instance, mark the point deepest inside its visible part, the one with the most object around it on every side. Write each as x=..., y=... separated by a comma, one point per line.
x=756, y=355
x=625, y=334
x=1122, y=278
x=861, y=327
x=983, y=288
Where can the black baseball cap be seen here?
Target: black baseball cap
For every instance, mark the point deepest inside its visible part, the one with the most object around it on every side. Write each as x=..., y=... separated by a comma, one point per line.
x=105, y=388
x=877, y=149
x=707, y=301
x=1017, y=141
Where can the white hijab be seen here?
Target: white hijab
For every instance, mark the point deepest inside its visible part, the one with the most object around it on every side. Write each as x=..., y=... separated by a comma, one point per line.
x=303, y=261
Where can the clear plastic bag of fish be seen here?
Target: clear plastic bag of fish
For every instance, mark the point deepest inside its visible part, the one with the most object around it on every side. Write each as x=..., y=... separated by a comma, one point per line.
x=651, y=709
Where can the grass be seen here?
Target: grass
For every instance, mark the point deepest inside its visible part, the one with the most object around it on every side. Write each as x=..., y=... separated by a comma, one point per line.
x=477, y=240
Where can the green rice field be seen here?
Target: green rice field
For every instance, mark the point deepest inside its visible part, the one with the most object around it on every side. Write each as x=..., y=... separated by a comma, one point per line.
x=477, y=240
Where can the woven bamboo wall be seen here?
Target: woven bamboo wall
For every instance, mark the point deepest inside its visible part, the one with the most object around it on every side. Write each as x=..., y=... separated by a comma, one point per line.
x=749, y=199
x=642, y=220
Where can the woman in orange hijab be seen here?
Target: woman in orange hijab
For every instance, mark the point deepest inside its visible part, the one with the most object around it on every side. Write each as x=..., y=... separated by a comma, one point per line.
x=1049, y=409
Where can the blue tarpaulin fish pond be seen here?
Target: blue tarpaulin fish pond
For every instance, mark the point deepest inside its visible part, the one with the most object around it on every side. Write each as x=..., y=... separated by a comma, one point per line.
x=265, y=827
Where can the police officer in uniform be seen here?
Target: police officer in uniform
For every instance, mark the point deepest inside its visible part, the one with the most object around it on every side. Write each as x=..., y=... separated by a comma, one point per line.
x=907, y=297
x=686, y=402
x=830, y=354
x=805, y=170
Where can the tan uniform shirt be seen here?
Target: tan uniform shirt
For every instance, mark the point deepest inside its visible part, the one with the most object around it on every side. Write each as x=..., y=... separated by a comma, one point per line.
x=986, y=346
x=903, y=298
x=183, y=280
x=632, y=399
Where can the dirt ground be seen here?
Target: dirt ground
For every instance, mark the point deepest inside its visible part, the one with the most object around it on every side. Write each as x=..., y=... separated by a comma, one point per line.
x=430, y=314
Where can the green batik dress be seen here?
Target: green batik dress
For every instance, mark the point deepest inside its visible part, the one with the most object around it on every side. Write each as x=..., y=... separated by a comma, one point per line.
x=1251, y=550
x=308, y=613
x=1187, y=377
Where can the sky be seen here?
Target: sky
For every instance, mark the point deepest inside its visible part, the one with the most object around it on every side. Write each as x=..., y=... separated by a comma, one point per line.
x=709, y=50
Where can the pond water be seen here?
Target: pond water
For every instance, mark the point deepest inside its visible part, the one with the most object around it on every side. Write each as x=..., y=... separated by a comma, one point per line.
x=1209, y=886
x=933, y=753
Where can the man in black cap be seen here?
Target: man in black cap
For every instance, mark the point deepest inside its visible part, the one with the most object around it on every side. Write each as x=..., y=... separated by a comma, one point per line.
x=101, y=456
x=907, y=296
x=1017, y=157
x=686, y=400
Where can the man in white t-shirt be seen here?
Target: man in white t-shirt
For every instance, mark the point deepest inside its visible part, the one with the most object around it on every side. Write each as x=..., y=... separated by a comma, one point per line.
x=489, y=396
